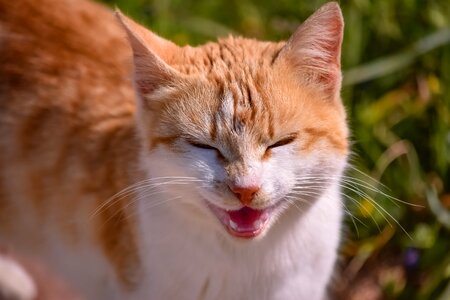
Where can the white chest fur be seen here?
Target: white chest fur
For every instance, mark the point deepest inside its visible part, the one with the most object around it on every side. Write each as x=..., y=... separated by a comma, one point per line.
x=194, y=261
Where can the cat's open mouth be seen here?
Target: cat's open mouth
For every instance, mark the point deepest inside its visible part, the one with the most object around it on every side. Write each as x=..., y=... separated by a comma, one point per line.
x=245, y=222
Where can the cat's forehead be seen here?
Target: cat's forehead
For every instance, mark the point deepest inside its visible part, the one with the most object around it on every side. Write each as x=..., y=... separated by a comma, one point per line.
x=247, y=99
x=246, y=93
x=227, y=58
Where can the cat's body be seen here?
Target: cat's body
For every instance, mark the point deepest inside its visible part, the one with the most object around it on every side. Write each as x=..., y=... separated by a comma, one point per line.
x=66, y=126
x=71, y=138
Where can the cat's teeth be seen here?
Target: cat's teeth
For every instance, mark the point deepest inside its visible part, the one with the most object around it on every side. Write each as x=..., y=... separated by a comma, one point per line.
x=233, y=225
x=258, y=224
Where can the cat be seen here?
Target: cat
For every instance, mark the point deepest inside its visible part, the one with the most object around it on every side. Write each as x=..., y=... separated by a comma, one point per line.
x=139, y=169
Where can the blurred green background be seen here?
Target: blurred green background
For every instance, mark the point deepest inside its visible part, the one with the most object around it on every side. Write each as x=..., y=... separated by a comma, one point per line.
x=396, y=61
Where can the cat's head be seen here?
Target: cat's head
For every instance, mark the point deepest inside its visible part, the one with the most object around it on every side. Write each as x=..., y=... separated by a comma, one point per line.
x=241, y=129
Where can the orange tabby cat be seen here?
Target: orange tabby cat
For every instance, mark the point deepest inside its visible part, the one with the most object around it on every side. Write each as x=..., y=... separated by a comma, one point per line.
x=218, y=180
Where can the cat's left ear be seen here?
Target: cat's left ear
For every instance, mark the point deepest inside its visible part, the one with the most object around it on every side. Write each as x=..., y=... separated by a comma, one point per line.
x=314, y=51
x=151, y=55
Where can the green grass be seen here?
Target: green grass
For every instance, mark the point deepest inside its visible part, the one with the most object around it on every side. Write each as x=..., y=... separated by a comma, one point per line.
x=396, y=57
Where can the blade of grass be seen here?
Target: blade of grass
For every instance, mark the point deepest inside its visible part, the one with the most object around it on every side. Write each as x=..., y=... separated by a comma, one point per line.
x=389, y=64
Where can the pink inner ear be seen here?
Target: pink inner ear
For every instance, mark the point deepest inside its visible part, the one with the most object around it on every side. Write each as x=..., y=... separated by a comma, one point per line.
x=151, y=73
x=149, y=52
x=333, y=46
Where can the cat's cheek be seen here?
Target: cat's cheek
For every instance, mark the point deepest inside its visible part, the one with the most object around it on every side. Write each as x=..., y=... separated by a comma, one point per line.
x=278, y=175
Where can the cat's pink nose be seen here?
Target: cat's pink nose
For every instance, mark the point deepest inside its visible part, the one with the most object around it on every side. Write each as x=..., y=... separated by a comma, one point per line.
x=245, y=194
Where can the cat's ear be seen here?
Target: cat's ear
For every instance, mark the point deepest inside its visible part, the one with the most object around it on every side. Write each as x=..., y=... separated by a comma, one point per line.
x=314, y=50
x=151, y=54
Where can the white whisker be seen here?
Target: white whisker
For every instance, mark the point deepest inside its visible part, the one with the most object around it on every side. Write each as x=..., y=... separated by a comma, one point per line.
x=144, y=184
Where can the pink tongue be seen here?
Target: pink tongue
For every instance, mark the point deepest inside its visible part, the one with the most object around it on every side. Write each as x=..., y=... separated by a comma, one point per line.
x=245, y=217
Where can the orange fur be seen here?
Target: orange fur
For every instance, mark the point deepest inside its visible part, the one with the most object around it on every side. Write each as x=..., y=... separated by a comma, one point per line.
x=66, y=118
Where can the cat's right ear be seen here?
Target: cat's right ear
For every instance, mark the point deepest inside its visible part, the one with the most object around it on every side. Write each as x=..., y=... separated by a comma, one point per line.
x=151, y=54
x=313, y=52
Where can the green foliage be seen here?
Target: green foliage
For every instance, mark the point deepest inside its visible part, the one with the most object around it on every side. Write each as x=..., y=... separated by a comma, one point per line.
x=396, y=89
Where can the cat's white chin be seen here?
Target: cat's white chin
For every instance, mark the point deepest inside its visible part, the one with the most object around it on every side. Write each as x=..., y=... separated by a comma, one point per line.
x=245, y=222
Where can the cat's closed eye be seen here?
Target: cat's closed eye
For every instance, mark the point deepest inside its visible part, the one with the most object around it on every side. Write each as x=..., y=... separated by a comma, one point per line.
x=202, y=146
x=282, y=142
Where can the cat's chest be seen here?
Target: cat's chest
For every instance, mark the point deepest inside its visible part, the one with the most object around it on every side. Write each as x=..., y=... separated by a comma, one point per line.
x=199, y=274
